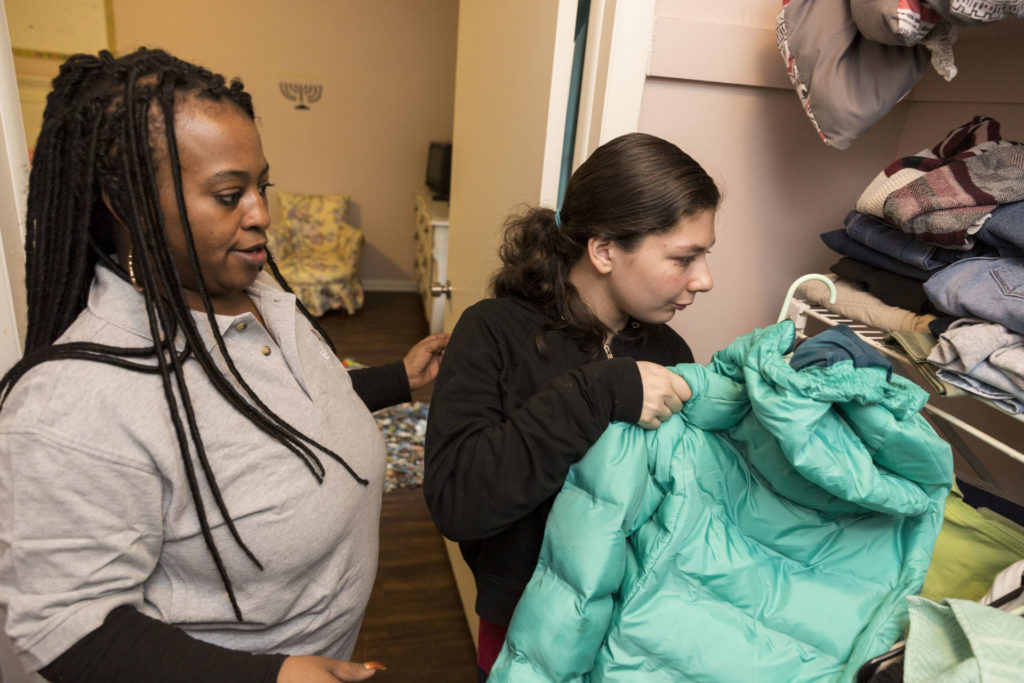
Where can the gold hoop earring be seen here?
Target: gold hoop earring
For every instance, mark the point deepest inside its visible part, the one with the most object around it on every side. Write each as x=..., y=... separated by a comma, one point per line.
x=131, y=270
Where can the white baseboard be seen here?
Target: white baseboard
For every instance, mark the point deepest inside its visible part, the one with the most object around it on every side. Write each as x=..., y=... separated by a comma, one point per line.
x=389, y=285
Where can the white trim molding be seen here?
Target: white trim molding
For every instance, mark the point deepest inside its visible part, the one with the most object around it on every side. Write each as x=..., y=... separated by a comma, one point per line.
x=619, y=39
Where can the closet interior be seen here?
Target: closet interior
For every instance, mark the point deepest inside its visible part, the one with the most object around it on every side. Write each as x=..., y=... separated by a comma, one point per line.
x=928, y=269
x=719, y=85
x=979, y=109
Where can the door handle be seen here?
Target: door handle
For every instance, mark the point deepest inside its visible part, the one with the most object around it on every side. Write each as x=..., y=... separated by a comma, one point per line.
x=437, y=289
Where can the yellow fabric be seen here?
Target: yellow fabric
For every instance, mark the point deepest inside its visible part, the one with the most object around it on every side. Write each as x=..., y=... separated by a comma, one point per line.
x=314, y=221
x=973, y=546
x=317, y=252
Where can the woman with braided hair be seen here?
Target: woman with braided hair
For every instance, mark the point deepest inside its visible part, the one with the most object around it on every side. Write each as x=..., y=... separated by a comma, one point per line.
x=191, y=482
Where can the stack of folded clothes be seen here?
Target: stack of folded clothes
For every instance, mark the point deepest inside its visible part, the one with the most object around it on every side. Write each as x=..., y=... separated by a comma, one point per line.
x=939, y=236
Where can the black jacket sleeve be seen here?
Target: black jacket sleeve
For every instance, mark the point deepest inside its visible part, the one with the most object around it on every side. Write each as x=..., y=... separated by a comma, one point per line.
x=492, y=456
x=381, y=386
x=131, y=647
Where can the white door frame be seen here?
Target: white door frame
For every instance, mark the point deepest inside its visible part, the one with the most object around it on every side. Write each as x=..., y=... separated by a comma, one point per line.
x=13, y=189
x=13, y=196
x=619, y=38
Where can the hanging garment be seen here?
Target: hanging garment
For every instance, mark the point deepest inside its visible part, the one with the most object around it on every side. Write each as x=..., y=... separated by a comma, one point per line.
x=770, y=531
x=853, y=301
x=845, y=82
x=960, y=641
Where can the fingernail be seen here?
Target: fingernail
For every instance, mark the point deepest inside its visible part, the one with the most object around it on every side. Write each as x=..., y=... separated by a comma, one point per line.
x=376, y=666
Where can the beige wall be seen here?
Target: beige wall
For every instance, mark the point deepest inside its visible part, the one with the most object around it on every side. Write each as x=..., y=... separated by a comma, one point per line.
x=388, y=73
x=782, y=189
x=509, y=122
x=988, y=82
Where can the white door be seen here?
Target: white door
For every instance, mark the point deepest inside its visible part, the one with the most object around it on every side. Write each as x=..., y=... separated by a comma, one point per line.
x=13, y=187
x=13, y=181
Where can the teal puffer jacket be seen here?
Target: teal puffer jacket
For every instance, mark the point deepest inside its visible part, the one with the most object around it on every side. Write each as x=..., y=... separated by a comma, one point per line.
x=768, y=532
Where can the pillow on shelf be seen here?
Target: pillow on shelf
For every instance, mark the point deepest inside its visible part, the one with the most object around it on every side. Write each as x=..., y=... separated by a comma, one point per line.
x=845, y=82
x=894, y=22
x=313, y=221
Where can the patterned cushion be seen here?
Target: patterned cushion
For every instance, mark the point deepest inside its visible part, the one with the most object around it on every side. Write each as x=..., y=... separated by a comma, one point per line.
x=845, y=82
x=314, y=221
x=317, y=252
x=279, y=241
x=324, y=286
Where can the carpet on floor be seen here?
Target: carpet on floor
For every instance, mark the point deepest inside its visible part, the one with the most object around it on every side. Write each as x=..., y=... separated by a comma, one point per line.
x=403, y=427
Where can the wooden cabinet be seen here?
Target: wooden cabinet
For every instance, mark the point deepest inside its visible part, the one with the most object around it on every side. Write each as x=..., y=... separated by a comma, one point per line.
x=432, y=256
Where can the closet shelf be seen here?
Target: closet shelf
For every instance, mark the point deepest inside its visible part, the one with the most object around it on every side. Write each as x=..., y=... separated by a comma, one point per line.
x=800, y=310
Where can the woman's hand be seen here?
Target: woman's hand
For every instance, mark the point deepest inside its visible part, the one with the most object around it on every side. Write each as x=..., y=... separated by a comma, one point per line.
x=308, y=669
x=424, y=360
x=664, y=394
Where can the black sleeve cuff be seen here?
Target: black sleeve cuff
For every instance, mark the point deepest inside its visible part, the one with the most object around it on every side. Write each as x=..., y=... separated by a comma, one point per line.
x=617, y=380
x=130, y=646
x=381, y=386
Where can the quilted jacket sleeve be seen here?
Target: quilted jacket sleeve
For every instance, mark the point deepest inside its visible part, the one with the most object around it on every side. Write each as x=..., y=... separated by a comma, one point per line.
x=563, y=616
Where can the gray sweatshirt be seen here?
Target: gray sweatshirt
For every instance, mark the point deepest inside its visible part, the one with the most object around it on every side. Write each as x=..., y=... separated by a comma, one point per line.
x=95, y=510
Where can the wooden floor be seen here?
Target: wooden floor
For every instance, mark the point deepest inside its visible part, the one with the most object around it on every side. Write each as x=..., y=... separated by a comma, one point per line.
x=414, y=623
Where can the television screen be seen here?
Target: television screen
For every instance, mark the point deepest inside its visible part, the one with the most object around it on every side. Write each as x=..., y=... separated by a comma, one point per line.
x=439, y=169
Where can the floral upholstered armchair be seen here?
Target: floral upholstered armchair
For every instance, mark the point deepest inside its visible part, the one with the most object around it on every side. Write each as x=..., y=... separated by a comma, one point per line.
x=317, y=252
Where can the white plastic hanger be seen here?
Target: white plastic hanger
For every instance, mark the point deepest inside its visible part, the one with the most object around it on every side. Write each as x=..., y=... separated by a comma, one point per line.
x=784, y=313
x=799, y=311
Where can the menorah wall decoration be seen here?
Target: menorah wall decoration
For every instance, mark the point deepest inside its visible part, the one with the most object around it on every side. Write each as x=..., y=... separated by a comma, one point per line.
x=303, y=93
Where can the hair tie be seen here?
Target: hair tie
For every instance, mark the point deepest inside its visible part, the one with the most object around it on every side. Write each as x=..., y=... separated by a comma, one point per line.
x=558, y=218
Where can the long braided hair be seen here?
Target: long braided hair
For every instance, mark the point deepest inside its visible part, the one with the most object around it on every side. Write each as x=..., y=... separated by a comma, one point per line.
x=108, y=122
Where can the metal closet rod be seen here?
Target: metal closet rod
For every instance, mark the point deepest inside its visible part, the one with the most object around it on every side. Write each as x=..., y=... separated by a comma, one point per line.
x=797, y=309
x=975, y=432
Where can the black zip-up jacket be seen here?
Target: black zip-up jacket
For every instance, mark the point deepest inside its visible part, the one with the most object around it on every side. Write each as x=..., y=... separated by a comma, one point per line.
x=506, y=422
